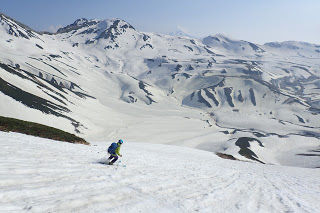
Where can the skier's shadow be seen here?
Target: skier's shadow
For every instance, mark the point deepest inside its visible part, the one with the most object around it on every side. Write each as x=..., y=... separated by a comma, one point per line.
x=101, y=161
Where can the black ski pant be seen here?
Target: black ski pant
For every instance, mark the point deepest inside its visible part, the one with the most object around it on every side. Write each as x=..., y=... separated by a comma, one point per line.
x=115, y=158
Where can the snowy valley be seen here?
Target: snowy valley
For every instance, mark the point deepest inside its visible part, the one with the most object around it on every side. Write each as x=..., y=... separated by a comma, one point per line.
x=104, y=80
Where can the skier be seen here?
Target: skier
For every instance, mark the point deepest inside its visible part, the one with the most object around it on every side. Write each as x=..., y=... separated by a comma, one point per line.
x=115, y=153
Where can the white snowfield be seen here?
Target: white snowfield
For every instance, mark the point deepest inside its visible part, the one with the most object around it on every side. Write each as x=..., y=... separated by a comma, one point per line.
x=40, y=175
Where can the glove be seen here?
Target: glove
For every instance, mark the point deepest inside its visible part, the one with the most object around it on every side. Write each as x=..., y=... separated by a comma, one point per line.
x=120, y=155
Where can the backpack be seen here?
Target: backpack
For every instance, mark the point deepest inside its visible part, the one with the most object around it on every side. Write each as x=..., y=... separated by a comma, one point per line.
x=112, y=148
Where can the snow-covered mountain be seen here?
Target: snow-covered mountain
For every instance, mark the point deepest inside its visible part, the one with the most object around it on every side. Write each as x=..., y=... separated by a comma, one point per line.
x=104, y=79
x=181, y=33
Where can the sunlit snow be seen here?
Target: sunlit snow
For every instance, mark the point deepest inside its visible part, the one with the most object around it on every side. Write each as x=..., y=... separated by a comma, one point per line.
x=40, y=175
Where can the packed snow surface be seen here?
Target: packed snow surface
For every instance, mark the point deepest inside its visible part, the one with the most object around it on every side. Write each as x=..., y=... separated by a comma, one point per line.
x=40, y=175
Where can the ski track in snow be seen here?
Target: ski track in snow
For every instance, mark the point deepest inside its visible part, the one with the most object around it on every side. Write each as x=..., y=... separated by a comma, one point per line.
x=40, y=175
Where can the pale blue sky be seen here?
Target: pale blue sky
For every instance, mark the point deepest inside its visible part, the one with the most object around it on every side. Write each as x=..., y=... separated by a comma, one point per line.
x=258, y=21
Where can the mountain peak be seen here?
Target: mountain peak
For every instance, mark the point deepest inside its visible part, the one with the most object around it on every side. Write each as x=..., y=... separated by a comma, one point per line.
x=222, y=37
x=180, y=33
x=83, y=22
x=121, y=23
x=79, y=23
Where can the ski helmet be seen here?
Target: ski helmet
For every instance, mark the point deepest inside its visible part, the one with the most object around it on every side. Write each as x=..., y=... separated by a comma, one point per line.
x=120, y=141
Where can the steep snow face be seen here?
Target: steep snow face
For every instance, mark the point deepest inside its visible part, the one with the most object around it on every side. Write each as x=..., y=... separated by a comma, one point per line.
x=40, y=175
x=15, y=28
x=103, y=79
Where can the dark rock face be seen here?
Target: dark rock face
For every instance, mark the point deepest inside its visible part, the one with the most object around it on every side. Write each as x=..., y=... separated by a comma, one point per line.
x=126, y=26
x=212, y=97
x=146, y=45
x=190, y=68
x=145, y=37
x=240, y=98
x=178, y=67
x=116, y=29
x=202, y=100
x=108, y=32
x=189, y=48
x=215, y=38
x=227, y=92
x=244, y=144
x=225, y=156
x=142, y=86
x=300, y=119
x=209, y=51
x=37, y=45
x=256, y=48
x=79, y=23
x=252, y=97
x=187, y=76
x=273, y=44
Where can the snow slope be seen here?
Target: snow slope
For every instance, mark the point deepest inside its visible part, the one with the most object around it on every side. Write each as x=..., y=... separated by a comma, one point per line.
x=40, y=175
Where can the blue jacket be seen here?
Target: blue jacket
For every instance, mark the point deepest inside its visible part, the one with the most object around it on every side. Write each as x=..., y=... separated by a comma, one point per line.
x=117, y=151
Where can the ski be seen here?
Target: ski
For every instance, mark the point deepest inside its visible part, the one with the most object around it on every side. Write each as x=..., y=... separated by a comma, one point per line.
x=117, y=164
x=121, y=165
